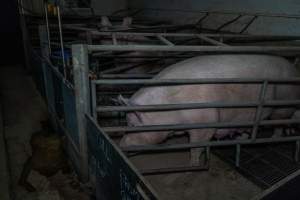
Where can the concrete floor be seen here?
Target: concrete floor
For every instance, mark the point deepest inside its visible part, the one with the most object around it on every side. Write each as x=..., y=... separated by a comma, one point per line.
x=23, y=111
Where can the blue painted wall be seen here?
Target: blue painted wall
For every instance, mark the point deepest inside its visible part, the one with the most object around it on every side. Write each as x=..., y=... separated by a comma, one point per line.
x=185, y=12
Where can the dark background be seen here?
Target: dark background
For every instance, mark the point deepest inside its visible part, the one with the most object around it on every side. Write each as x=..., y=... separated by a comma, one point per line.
x=10, y=34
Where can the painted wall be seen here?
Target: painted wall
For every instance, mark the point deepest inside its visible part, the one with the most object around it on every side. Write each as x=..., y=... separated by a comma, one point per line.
x=186, y=12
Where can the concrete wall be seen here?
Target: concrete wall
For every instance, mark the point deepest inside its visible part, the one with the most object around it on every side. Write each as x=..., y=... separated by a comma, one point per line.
x=186, y=12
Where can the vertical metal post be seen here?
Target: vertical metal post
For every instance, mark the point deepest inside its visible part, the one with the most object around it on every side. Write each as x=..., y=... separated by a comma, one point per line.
x=89, y=37
x=81, y=85
x=237, y=155
x=25, y=39
x=259, y=110
x=94, y=100
x=45, y=54
x=47, y=25
x=297, y=149
x=207, y=156
x=61, y=41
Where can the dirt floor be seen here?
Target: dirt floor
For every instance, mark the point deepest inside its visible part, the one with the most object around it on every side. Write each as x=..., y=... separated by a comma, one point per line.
x=24, y=109
x=220, y=182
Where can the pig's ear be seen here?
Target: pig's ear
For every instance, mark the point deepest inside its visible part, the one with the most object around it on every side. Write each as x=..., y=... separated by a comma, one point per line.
x=127, y=22
x=105, y=21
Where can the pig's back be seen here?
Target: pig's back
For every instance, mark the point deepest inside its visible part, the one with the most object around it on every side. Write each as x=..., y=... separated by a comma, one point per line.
x=227, y=66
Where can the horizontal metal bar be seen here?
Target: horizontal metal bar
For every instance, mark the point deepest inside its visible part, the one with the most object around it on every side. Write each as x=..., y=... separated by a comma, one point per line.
x=172, y=147
x=172, y=170
x=181, y=127
x=213, y=35
x=182, y=48
x=168, y=107
x=157, y=82
x=110, y=76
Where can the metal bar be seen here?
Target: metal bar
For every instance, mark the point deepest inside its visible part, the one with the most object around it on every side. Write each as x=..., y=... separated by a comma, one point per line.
x=169, y=107
x=172, y=170
x=171, y=82
x=123, y=157
x=211, y=41
x=297, y=150
x=207, y=152
x=61, y=42
x=114, y=39
x=228, y=23
x=192, y=48
x=94, y=101
x=164, y=40
x=202, y=18
x=237, y=155
x=175, y=147
x=259, y=110
x=213, y=35
x=248, y=25
x=81, y=85
x=89, y=38
x=182, y=127
x=47, y=25
x=112, y=76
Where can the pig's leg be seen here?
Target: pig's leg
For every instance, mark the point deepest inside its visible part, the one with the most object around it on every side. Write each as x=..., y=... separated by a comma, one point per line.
x=199, y=135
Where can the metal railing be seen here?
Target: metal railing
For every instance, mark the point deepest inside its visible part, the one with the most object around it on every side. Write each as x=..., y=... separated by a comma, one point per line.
x=257, y=122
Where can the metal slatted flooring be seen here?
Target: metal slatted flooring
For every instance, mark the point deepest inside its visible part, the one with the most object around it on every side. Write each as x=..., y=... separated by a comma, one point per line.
x=264, y=165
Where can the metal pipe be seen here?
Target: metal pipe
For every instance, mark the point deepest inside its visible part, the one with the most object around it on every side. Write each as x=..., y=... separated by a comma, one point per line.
x=297, y=150
x=110, y=76
x=169, y=107
x=61, y=41
x=171, y=82
x=193, y=48
x=164, y=40
x=174, y=147
x=213, y=35
x=146, y=172
x=259, y=110
x=182, y=127
x=47, y=25
x=237, y=155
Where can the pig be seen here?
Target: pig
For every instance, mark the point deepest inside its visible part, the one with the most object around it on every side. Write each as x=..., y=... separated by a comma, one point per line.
x=210, y=66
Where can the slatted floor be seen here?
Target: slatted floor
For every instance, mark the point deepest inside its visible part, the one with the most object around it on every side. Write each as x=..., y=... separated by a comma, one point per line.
x=264, y=165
